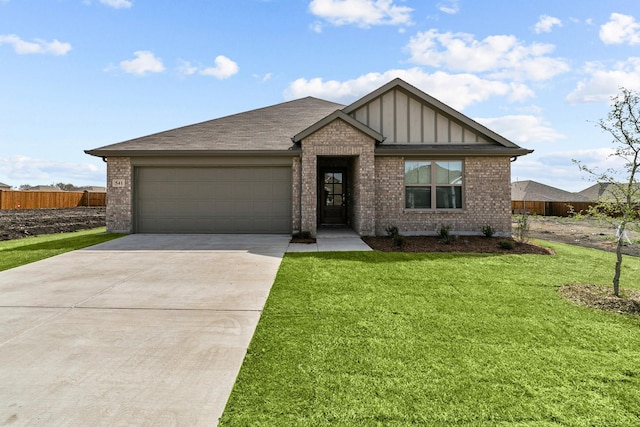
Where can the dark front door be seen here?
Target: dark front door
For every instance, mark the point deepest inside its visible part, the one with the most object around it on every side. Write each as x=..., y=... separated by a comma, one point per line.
x=333, y=197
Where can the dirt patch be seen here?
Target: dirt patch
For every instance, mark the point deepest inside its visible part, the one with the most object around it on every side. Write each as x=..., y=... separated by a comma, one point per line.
x=602, y=298
x=466, y=244
x=584, y=232
x=18, y=223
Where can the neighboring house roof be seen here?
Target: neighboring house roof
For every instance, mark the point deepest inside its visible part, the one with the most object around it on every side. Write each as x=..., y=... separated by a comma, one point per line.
x=277, y=129
x=536, y=192
x=44, y=188
x=4, y=186
x=262, y=130
x=601, y=190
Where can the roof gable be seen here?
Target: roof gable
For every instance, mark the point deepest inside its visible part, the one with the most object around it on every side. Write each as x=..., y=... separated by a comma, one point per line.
x=405, y=115
x=338, y=115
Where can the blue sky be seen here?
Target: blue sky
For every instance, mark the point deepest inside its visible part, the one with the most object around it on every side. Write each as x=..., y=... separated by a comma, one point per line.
x=79, y=74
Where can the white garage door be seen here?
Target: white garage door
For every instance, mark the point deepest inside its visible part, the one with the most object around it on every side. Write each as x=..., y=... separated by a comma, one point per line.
x=213, y=199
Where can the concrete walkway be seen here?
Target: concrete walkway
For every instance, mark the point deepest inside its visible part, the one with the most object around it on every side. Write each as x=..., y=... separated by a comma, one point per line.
x=146, y=330
x=332, y=239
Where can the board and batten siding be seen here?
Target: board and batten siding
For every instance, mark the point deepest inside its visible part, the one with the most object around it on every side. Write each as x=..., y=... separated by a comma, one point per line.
x=403, y=119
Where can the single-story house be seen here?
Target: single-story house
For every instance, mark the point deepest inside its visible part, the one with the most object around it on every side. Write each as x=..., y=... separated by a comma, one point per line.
x=536, y=191
x=397, y=157
x=542, y=199
x=605, y=191
x=44, y=188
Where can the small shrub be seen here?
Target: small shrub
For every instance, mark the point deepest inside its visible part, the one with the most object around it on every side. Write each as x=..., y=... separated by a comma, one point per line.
x=305, y=234
x=488, y=231
x=444, y=234
x=392, y=231
x=399, y=240
x=507, y=244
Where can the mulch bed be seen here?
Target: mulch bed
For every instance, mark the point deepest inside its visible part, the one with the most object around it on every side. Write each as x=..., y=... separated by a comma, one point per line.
x=602, y=298
x=461, y=244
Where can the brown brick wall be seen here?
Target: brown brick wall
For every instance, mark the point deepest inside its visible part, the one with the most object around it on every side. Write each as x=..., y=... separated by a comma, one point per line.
x=486, y=193
x=295, y=195
x=119, y=198
x=339, y=139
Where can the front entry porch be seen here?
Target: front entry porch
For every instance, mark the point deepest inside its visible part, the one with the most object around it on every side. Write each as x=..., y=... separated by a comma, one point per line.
x=336, y=178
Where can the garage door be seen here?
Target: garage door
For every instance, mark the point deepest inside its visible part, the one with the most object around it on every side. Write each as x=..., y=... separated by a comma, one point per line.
x=213, y=200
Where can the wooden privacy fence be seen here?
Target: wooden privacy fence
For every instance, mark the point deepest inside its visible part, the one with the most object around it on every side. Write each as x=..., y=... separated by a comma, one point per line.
x=549, y=208
x=50, y=199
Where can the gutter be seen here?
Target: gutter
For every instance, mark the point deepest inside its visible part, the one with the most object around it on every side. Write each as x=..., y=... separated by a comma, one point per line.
x=192, y=153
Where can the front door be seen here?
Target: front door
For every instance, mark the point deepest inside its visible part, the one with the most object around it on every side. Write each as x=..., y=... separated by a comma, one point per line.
x=333, y=196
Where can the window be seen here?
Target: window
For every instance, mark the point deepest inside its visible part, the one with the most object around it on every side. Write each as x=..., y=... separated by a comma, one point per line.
x=430, y=184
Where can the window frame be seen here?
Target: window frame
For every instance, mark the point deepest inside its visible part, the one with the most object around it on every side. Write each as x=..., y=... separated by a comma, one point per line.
x=433, y=185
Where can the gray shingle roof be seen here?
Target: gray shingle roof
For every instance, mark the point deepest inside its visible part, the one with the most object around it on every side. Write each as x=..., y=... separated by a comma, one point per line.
x=603, y=191
x=536, y=192
x=260, y=130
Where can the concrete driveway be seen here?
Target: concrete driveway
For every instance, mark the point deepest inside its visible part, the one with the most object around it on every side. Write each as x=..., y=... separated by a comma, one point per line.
x=143, y=330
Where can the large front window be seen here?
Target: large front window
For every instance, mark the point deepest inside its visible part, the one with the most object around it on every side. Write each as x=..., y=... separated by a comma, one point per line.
x=433, y=184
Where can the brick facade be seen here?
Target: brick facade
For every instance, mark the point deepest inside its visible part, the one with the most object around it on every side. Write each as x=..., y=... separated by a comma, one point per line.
x=338, y=139
x=119, y=195
x=296, y=176
x=378, y=189
x=486, y=193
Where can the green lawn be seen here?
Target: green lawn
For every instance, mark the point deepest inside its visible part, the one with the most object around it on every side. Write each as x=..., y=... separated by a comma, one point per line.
x=393, y=339
x=14, y=253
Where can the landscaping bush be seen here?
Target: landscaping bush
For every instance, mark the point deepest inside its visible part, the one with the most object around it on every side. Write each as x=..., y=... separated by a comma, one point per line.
x=488, y=231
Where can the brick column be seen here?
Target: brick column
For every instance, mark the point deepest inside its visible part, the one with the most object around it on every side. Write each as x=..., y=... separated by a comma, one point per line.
x=308, y=190
x=119, y=195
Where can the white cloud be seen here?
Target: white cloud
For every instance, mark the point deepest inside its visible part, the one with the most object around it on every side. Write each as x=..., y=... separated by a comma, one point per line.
x=363, y=13
x=504, y=56
x=21, y=169
x=603, y=83
x=263, y=77
x=117, y=4
x=450, y=7
x=558, y=170
x=145, y=62
x=522, y=129
x=316, y=27
x=560, y=166
x=546, y=24
x=455, y=90
x=186, y=68
x=22, y=47
x=620, y=29
x=223, y=68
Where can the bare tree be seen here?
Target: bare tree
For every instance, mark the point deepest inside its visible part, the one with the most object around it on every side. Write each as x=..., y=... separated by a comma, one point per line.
x=622, y=196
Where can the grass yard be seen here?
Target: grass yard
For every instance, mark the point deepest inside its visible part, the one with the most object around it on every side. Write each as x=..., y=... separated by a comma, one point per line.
x=14, y=253
x=394, y=339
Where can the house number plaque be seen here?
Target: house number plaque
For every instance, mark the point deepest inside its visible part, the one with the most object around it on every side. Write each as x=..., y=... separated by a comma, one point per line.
x=117, y=183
